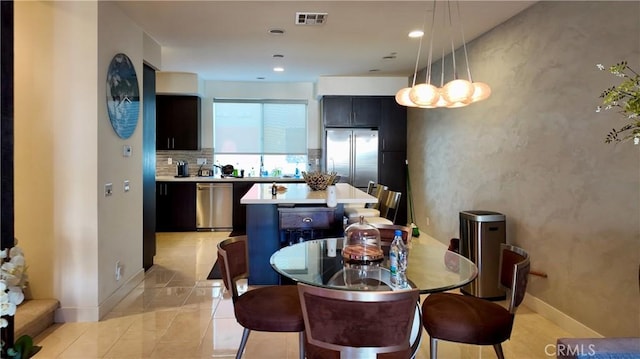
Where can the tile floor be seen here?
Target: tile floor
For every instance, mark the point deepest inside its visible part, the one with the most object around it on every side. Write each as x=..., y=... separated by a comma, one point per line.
x=177, y=313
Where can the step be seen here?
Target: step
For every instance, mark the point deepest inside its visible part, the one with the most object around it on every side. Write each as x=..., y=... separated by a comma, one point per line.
x=34, y=316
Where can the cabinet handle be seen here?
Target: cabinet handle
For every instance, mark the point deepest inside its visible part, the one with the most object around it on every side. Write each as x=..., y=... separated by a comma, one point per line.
x=307, y=220
x=383, y=145
x=168, y=147
x=173, y=142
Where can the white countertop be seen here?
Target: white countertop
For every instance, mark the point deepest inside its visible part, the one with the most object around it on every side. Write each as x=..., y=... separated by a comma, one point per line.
x=228, y=179
x=300, y=193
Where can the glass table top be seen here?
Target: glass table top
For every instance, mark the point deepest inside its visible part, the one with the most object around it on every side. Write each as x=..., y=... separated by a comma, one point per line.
x=432, y=268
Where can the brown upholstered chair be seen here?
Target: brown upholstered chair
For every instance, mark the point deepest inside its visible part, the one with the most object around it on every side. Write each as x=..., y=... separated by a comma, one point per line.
x=388, y=231
x=357, y=324
x=267, y=309
x=471, y=320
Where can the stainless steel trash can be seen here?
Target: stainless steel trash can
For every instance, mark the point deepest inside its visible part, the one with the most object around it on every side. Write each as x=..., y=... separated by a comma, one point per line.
x=481, y=233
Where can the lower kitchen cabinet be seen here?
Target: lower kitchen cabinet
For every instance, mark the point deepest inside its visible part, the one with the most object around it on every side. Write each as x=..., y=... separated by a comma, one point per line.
x=175, y=206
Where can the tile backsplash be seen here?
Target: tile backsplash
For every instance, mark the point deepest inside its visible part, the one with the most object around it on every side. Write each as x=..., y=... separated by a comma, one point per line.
x=163, y=168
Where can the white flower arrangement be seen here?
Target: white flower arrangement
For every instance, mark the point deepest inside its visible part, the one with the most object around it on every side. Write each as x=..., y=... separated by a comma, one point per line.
x=13, y=279
x=625, y=98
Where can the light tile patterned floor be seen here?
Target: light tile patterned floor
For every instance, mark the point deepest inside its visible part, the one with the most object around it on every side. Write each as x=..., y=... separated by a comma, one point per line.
x=177, y=313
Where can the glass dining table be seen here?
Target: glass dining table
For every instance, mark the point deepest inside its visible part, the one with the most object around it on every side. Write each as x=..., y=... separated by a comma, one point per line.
x=432, y=268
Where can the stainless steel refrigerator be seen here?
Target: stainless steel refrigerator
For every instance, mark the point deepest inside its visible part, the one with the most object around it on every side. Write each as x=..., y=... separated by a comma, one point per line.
x=353, y=154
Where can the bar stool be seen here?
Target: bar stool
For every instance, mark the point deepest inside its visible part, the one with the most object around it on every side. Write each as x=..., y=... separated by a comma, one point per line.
x=353, y=214
x=388, y=209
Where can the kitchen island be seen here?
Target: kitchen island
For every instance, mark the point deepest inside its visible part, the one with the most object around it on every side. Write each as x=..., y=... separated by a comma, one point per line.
x=292, y=215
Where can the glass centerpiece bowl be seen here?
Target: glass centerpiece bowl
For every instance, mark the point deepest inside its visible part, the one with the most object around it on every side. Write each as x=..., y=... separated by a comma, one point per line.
x=318, y=181
x=362, y=244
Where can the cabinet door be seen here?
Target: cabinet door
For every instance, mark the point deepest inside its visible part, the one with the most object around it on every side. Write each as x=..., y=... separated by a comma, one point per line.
x=392, y=173
x=177, y=122
x=163, y=207
x=336, y=111
x=164, y=114
x=393, y=126
x=366, y=111
x=176, y=206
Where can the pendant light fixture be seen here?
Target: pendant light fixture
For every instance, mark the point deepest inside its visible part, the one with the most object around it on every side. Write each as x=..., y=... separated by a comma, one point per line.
x=456, y=93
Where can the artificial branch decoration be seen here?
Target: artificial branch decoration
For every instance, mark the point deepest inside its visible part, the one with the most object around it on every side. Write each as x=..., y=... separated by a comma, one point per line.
x=626, y=98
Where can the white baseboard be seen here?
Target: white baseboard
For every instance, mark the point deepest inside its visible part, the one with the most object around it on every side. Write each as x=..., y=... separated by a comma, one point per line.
x=559, y=318
x=94, y=314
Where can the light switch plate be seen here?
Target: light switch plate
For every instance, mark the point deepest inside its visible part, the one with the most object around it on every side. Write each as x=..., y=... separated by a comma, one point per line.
x=126, y=186
x=108, y=189
x=126, y=151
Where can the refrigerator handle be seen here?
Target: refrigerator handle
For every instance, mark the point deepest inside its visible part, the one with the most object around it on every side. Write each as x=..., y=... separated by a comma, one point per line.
x=352, y=146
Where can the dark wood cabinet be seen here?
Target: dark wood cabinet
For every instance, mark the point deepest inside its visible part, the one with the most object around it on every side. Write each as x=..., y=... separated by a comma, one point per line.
x=352, y=111
x=177, y=122
x=392, y=135
x=240, y=210
x=175, y=206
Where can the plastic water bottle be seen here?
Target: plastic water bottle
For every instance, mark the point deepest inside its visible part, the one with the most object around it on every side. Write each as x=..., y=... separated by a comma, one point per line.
x=398, y=258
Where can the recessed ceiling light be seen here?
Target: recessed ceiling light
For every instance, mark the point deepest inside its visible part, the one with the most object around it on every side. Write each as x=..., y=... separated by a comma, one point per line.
x=276, y=31
x=278, y=69
x=416, y=33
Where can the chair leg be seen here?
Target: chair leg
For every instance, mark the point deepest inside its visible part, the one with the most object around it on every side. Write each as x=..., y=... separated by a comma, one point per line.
x=498, y=349
x=301, y=340
x=243, y=342
x=433, y=345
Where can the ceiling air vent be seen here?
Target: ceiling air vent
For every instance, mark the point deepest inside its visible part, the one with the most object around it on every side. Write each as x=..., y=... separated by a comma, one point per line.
x=311, y=18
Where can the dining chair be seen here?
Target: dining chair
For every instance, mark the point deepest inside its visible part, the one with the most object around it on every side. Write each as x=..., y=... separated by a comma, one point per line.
x=388, y=232
x=472, y=320
x=357, y=324
x=267, y=309
x=388, y=209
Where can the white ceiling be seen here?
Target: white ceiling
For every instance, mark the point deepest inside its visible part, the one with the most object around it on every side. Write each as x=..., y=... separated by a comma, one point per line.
x=230, y=40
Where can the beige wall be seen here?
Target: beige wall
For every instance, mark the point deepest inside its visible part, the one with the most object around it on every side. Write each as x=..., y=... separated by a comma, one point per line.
x=66, y=150
x=535, y=152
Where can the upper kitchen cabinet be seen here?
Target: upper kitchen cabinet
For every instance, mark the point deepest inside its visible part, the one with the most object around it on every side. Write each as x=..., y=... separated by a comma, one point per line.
x=393, y=127
x=352, y=111
x=177, y=122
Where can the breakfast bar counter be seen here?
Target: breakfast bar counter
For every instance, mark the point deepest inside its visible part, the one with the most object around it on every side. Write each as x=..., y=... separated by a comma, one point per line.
x=296, y=213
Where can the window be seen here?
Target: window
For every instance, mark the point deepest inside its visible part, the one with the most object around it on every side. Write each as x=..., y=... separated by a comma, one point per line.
x=267, y=135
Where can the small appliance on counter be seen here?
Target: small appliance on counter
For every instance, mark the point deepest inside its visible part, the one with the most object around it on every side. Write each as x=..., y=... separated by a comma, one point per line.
x=183, y=169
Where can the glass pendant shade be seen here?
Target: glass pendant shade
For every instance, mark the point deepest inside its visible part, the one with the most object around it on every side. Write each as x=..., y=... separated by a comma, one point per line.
x=442, y=102
x=481, y=91
x=457, y=91
x=424, y=94
x=458, y=104
x=403, y=99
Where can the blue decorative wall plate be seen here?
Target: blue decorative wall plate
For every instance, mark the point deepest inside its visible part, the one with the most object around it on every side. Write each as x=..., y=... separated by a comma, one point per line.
x=123, y=96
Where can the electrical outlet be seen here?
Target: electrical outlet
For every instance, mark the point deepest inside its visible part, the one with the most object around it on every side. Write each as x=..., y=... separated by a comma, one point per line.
x=169, y=161
x=118, y=270
x=201, y=161
x=127, y=187
x=108, y=189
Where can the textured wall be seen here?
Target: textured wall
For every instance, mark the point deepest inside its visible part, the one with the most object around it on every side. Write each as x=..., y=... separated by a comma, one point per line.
x=535, y=152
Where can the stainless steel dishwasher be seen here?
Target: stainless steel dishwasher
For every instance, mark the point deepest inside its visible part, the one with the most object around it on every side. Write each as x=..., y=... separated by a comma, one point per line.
x=214, y=206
